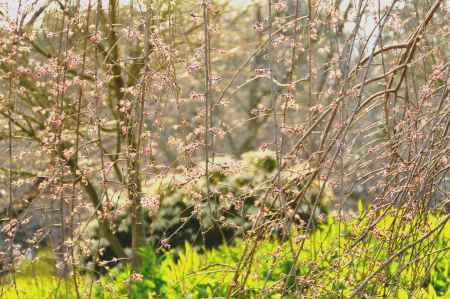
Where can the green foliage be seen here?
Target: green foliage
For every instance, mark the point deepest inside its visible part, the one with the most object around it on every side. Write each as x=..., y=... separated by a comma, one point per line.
x=40, y=287
x=37, y=278
x=328, y=267
x=333, y=265
x=147, y=288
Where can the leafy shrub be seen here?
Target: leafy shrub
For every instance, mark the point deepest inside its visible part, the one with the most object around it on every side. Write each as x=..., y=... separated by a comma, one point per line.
x=334, y=266
x=152, y=284
x=189, y=273
x=237, y=192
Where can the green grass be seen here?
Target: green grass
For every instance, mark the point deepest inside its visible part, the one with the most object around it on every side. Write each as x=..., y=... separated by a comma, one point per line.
x=36, y=279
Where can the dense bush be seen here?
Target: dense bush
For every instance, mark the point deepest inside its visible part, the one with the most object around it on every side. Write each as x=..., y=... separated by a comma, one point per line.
x=179, y=211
